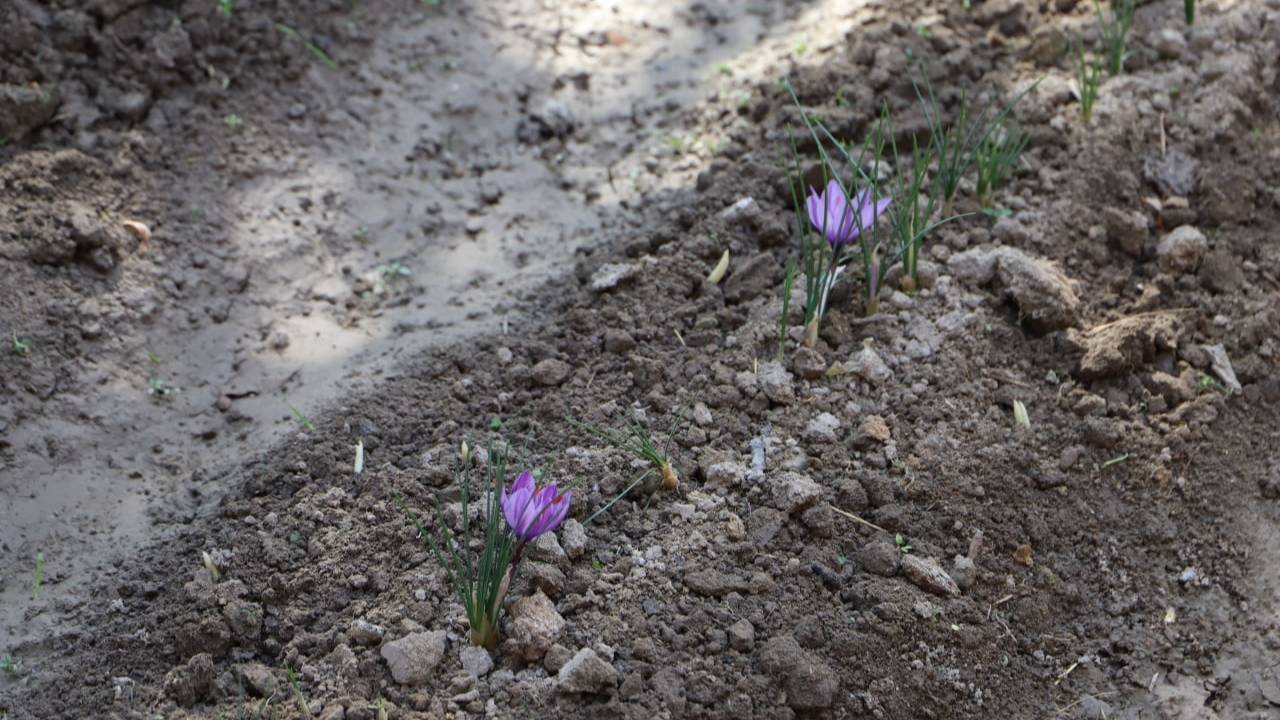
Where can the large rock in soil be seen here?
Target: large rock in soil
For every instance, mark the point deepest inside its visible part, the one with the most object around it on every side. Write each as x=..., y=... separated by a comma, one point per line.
x=1045, y=297
x=1124, y=345
x=808, y=682
x=413, y=658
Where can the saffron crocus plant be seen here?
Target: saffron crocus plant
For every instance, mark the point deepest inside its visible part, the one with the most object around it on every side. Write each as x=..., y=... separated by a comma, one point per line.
x=841, y=223
x=512, y=519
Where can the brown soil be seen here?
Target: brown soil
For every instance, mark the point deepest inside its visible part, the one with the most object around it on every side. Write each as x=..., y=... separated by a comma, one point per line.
x=1117, y=559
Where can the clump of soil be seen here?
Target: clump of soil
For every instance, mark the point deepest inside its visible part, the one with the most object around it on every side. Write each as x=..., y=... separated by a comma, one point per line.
x=861, y=529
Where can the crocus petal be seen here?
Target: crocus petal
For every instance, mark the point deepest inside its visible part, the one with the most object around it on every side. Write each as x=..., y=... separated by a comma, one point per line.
x=524, y=481
x=554, y=513
x=871, y=211
x=514, y=507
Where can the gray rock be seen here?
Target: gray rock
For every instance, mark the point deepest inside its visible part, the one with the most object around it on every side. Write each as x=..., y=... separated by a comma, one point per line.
x=610, y=275
x=573, y=538
x=534, y=626
x=880, y=557
x=822, y=428
x=777, y=383
x=23, y=109
x=1127, y=230
x=245, y=619
x=259, y=680
x=413, y=658
x=976, y=266
x=793, y=492
x=808, y=363
x=188, y=684
x=556, y=657
x=1175, y=172
x=808, y=682
x=745, y=209
x=586, y=672
x=742, y=636
x=550, y=372
x=618, y=341
x=756, y=275
x=476, y=661
x=725, y=474
x=1221, y=366
x=1046, y=298
x=546, y=548
x=545, y=577
x=868, y=365
x=1182, y=250
x=820, y=520
x=366, y=633
x=929, y=576
x=964, y=572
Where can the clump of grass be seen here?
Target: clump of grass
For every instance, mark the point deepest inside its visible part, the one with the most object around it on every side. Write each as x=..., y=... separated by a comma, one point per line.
x=957, y=144
x=1114, y=28
x=996, y=159
x=303, y=420
x=634, y=439
x=915, y=202
x=1088, y=76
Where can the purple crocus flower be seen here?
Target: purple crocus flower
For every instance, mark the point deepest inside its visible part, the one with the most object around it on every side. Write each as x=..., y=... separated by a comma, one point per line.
x=531, y=511
x=831, y=213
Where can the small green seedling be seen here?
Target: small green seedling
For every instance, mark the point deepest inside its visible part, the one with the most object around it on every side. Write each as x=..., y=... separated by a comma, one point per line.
x=1189, y=10
x=903, y=546
x=160, y=389
x=1088, y=74
x=495, y=423
x=20, y=347
x=303, y=420
x=388, y=272
x=724, y=68
x=38, y=579
x=295, y=687
x=233, y=121
x=226, y=7
x=10, y=665
x=1114, y=28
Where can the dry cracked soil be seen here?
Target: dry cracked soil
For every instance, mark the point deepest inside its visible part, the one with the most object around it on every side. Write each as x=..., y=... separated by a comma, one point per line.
x=240, y=237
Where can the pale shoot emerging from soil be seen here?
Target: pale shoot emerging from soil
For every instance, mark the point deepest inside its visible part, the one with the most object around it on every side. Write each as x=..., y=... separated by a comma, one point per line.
x=1088, y=75
x=996, y=160
x=1114, y=28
